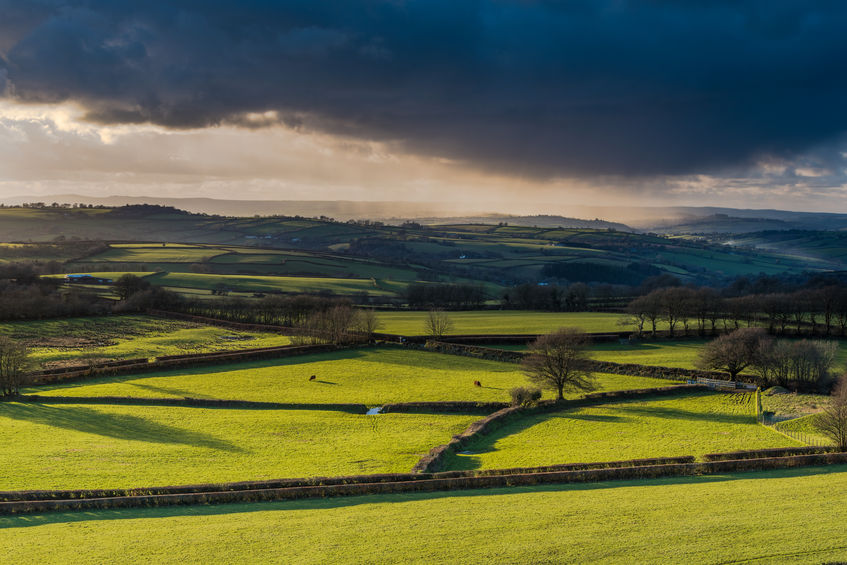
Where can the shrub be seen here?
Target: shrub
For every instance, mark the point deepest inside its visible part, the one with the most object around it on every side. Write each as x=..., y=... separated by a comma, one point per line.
x=525, y=396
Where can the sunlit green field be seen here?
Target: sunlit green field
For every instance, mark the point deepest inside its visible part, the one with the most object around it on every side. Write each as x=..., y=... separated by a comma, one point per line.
x=682, y=353
x=89, y=446
x=673, y=353
x=503, y=322
x=372, y=376
x=691, y=520
x=694, y=424
x=75, y=340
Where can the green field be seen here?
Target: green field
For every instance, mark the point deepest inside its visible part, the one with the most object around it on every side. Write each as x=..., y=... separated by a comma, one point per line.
x=503, y=322
x=75, y=340
x=90, y=446
x=792, y=516
x=245, y=283
x=372, y=376
x=674, y=353
x=669, y=353
x=694, y=424
x=230, y=260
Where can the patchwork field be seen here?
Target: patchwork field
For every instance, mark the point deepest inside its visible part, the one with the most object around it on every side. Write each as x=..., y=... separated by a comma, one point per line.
x=372, y=376
x=75, y=340
x=76, y=446
x=245, y=283
x=694, y=424
x=714, y=519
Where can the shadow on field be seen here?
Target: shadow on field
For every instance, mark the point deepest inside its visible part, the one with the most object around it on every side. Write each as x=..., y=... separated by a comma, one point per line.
x=169, y=391
x=26, y=520
x=119, y=426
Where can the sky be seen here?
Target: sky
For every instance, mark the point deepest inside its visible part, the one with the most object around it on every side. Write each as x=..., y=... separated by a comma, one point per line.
x=511, y=105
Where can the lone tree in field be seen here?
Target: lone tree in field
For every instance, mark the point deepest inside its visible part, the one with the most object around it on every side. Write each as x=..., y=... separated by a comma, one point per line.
x=438, y=324
x=129, y=284
x=367, y=322
x=14, y=361
x=832, y=422
x=559, y=361
x=732, y=352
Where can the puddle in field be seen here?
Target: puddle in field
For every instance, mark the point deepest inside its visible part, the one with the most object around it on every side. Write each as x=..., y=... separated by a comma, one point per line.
x=374, y=411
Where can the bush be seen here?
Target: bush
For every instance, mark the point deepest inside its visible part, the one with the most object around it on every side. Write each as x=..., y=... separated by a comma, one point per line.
x=525, y=396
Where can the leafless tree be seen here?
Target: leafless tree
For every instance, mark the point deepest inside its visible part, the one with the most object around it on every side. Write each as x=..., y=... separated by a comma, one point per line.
x=14, y=362
x=367, y=322
x=795, y=363
x=559, y=361
x=438, y=324
x=732, y=352
x=832, y=422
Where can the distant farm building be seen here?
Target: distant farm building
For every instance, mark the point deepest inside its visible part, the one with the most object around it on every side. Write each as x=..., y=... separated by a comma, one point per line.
x=86, y=279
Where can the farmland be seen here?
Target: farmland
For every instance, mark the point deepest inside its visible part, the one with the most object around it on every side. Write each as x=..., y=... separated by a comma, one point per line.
x=303, y=415
x=662, y=427
x=503, y=322
x=496, y=256
x=662, y=520
x=83, y=446
x=74, y=340
x=363, y=376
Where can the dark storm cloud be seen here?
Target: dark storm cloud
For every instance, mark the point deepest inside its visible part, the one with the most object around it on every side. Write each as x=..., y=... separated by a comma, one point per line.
x=533, y=88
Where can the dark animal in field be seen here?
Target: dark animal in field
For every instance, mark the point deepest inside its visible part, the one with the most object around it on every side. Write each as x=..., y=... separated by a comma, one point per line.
x=477, y=383
x=313, y=377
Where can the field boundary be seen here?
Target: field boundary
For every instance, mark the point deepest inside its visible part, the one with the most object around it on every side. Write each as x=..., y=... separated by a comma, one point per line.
x=186, y=402
x=179, y=362
x=430, y=483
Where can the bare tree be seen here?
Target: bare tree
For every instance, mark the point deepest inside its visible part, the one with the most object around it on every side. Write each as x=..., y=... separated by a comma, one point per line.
x=438, y=324
x=367, y=322
x=732, y=352
x=14, y=362
x=832, y=422
x=560, y=361
x=795, y=363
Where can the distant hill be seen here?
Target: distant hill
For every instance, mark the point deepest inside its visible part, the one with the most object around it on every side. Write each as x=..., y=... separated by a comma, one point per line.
x=656, y=219
x=495, y=254
x=722, y=223
x=540, y=221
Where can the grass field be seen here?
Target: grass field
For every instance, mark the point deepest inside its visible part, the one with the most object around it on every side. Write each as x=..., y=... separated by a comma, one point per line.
x=793, y=405
x=804, y=425
x=76, y=446
x=372, y=376
x=661, y=427
x=267, y=284
x=74, y=340
x=675, y=353
x=788, y=516
x=502, y=322
x=681, y=353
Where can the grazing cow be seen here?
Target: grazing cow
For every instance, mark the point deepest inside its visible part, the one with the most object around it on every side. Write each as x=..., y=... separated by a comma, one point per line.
x=313, y=377
x=477, y=383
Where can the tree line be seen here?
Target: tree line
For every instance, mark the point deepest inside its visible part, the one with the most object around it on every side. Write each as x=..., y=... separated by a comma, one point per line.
x=683, y=310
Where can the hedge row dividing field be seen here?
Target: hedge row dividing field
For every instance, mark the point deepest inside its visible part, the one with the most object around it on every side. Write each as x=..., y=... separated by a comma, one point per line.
x=706, y=519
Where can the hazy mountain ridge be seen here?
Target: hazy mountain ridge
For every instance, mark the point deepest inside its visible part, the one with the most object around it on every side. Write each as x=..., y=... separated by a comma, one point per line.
x=659, y=219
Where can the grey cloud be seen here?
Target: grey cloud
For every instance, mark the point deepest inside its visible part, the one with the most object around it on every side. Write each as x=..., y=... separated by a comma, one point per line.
x=540, y=89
